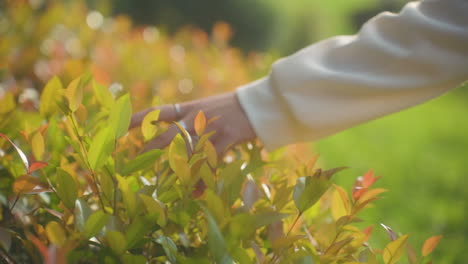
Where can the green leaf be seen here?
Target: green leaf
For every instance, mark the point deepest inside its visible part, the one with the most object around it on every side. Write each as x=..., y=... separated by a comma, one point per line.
x=178, y=159
x=309, y=189
x=116, y=242
x=82, y=212
x=230, y=181
x=216, y=242
x=101, y=148
x=128, y=196
x=120, y=116
x=133, y=259
x=7, y=103
x=95, y=223
x=138, y=229
x=66, y=188
x=48, y=105
x=394, y=250
x=169, y=247
x=154, y=206
x=103, y=96
x=142, y=161
x=74, y=94
x=148, y=129
x=55, y=233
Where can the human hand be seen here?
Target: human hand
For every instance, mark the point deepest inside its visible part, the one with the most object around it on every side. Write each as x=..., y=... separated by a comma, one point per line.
x=231, y=127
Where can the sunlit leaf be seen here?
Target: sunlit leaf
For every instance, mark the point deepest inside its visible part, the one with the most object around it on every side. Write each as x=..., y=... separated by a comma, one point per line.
x=102, y=94
x=120, y=115
x=7, y=103
x=55, y=233
x=128, y=196
x=394, y=250
x=178, y=159
x=390, y=232
x=210, y=152
x=37, y=143
x=96, y=221
x=66, y=188
x=74, y=94
x=37, y=165
x=338, y=206
x=49, y=94
x=430, y=244
x=101, y=148
x=148, y=128
x=200, y=123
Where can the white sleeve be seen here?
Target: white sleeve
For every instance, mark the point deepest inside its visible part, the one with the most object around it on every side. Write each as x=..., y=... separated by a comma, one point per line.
x=394, y=62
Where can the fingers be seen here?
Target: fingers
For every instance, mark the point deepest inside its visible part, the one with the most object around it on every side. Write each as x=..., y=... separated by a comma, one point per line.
x=167, y=114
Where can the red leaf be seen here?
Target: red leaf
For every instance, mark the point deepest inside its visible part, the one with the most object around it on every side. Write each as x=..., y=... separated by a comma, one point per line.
x=20, y=152
x=37, y=165
x=368, y=179
x=430, y=244
x=40, y=246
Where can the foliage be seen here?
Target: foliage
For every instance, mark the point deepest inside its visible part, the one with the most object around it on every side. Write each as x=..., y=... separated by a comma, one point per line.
x=75, y=187
x=80, y=191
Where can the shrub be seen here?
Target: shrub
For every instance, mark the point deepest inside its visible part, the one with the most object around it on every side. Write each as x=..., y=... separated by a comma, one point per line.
x=76, y=189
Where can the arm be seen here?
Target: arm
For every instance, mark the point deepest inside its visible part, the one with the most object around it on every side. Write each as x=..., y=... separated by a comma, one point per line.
x=394, y=62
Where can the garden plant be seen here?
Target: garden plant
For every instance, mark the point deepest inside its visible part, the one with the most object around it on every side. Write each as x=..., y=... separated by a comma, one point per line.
x=76, y=188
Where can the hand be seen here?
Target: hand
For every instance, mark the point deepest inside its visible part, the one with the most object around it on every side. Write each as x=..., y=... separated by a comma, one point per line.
x=231, y=128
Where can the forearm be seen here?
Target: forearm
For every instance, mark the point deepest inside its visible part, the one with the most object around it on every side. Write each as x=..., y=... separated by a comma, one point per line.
x=396, y=61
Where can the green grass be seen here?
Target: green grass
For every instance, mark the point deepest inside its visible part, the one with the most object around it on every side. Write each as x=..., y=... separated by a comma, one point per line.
x=422, y=156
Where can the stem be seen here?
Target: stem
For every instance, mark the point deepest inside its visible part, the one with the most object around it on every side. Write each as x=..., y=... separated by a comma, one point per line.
x=85, y=152
x=276, y=256
x=6, y=257
x=14, y=203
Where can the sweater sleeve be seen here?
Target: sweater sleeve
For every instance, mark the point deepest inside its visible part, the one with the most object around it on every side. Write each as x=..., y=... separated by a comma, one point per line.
x=396, y=61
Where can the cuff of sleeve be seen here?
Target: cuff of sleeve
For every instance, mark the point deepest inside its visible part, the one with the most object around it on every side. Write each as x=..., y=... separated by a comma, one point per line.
x=267, y=114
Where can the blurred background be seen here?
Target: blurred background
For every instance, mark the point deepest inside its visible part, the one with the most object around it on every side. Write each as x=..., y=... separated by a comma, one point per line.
x=179, y=50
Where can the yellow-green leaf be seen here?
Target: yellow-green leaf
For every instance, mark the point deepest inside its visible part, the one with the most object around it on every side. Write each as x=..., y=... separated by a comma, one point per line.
x=394, y=250
x=430, y=244
x=95, y=223
x=128, y=196
x=116, y=241
x=338, y=207
x=148, y=129
x=66, y=188
x=103, y=95
x=120, y=115
x=48, y=104
x=200, y=123
x=37, y=143
x=142, y=161
x=211, y=154
x=155, y=206
x=55, y=233
x=7, y=103
x=101, y=148
x=178, y=159
x=74, y=94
